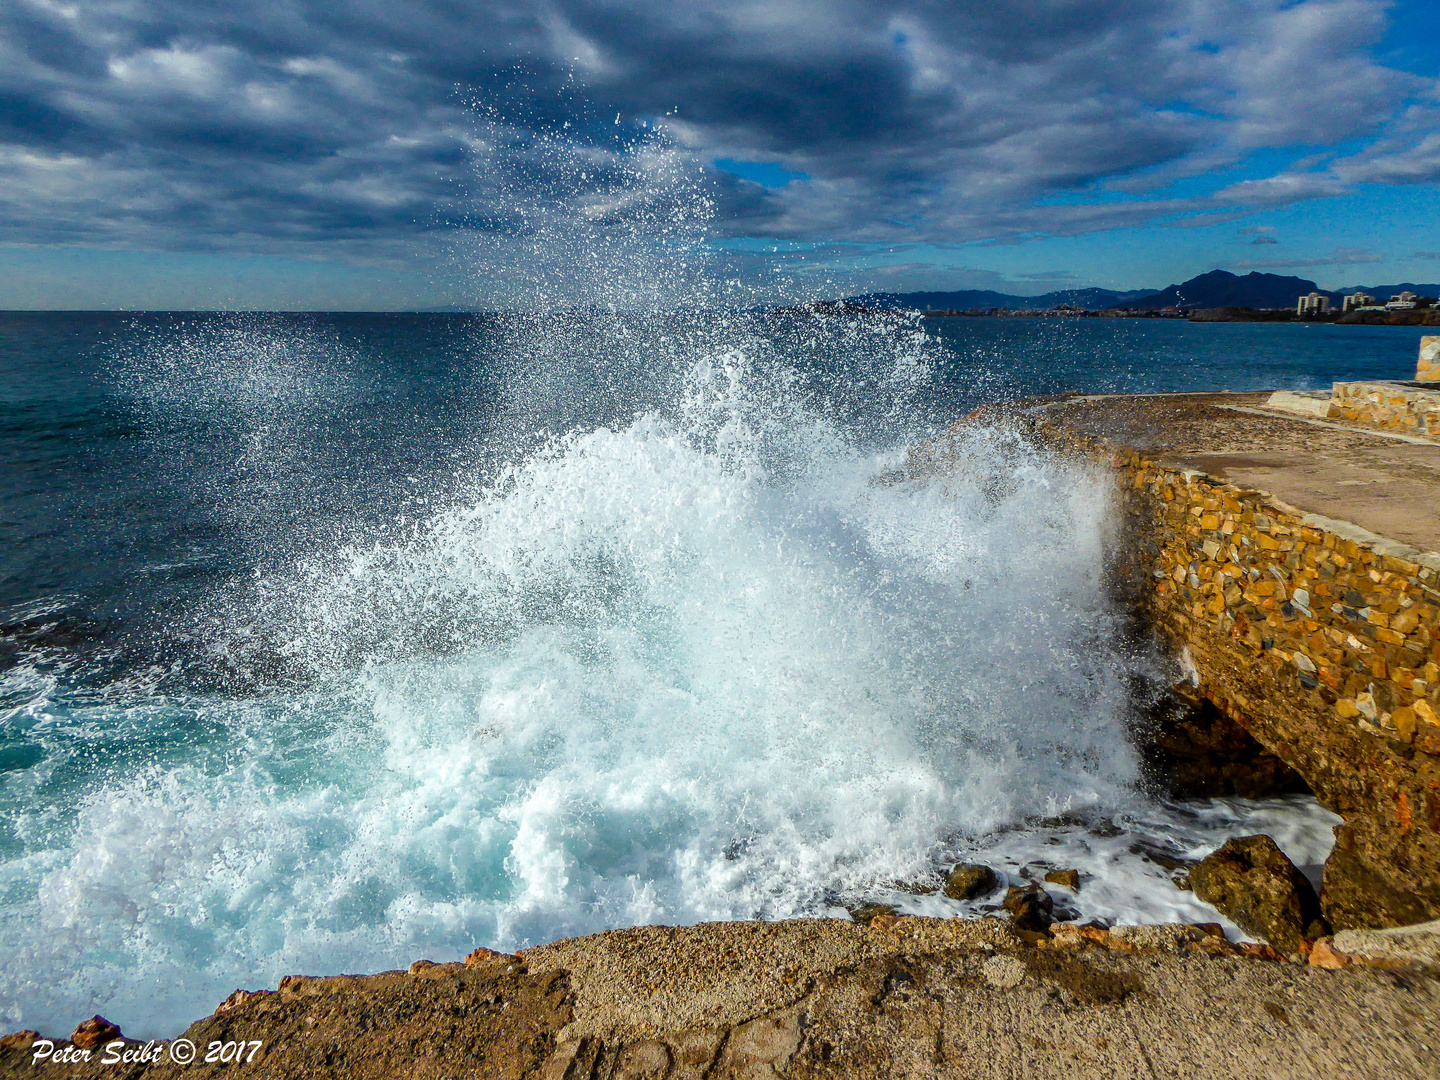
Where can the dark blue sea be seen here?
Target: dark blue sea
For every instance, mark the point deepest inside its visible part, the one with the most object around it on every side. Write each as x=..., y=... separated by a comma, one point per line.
x=328, y=642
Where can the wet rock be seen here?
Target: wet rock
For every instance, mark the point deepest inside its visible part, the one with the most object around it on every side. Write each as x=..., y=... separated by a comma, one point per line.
x=1160, y=856
x=97, y=1031
x=868, y=913
x=969, y=880
x=1078, y=980
x=1030, y=908
x=917, y=888
x=1250, y=880
x=1069, y=878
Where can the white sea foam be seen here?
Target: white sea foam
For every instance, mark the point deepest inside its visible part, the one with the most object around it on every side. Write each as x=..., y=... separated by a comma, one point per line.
x=715, y=664
x=718, y=659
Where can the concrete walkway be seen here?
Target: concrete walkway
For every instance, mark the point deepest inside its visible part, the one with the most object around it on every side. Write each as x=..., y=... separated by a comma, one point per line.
x=1387, y=485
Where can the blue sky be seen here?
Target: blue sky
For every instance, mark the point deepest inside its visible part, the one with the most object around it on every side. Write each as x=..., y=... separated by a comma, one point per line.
x=252, y=154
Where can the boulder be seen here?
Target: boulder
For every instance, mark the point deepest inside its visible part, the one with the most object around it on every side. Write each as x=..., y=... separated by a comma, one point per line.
x=969, y=880
x=868, y=913
x=1030, y=908
x=97, y=1031
x=1069, y=878
x=1374, y=876
x=1250, y=880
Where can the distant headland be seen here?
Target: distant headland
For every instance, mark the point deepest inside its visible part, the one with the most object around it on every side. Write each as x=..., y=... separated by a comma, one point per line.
x=1218, y=296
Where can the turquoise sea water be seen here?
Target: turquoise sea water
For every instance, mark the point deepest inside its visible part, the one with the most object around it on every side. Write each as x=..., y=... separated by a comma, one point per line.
x=332, y=641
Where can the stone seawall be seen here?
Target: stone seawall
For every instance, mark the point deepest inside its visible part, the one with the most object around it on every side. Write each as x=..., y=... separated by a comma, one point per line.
x=1388, y=406
x=1428, y=368
x=1319, y=639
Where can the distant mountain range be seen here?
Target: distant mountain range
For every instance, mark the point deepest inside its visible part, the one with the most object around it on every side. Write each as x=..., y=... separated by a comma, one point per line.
x=1218, y=288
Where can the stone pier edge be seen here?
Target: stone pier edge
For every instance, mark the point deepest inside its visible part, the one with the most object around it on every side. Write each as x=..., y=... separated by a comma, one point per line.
x=1319, y=638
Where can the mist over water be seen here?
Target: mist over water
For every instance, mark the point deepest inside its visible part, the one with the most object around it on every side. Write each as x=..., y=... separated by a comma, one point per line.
x=612, y=613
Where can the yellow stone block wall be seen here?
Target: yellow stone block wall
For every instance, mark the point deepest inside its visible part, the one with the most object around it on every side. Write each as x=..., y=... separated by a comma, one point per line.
x=1388, y=406
x=1326, y=650
x=1363, y=626
x=1428, y=369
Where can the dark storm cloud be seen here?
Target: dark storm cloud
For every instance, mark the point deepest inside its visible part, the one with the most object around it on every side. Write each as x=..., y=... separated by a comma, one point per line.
x=268, y=126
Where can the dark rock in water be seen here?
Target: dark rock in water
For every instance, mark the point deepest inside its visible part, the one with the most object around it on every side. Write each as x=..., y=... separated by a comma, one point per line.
x=864, y=913
x=1192, y=750
x=97, y=1031
x=1251, y=880
x=969, y=880
x=1069, y=878
x=917, y=888
x=1160, y=856
x=1030, y=908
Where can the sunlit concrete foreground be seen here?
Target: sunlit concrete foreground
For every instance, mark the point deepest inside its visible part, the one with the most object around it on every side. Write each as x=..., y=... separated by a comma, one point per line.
x=894, y=998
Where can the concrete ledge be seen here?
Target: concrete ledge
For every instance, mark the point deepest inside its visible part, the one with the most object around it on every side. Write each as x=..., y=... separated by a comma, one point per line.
x=1305, y=402
x=813, y=999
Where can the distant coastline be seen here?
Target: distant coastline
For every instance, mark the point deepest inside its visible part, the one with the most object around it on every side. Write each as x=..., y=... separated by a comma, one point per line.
x=1425, y=317
x=1217, y=296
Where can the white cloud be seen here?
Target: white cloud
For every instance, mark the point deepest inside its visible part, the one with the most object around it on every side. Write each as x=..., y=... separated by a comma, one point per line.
x=199, y=73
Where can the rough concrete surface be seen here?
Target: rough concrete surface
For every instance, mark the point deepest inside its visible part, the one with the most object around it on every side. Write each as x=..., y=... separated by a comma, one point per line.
x=1409, y=946
x=897, y=998
x=1386, y=485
